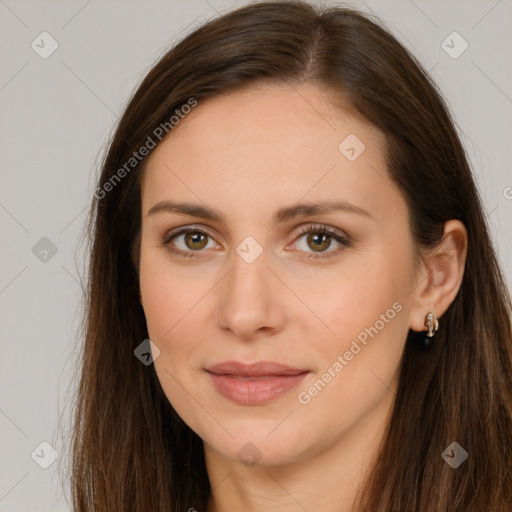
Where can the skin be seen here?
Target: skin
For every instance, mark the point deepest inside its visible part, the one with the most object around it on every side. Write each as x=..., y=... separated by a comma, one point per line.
x=246, y=154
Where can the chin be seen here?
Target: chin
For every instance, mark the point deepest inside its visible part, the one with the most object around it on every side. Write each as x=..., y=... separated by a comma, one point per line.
x=258, y=443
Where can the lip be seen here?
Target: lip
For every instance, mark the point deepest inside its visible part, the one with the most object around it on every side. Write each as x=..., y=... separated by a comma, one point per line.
x=256, y=383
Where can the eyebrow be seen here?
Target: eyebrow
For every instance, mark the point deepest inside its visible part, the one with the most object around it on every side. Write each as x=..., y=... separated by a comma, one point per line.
x=281, y=215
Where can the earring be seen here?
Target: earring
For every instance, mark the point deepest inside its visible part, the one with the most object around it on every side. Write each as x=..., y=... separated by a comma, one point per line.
x=432, y=324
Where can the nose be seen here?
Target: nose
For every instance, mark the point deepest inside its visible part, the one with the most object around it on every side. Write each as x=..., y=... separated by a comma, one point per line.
x=251, y=299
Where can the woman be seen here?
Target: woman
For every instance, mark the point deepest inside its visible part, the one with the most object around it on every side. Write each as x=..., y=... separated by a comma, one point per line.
x=287, y=213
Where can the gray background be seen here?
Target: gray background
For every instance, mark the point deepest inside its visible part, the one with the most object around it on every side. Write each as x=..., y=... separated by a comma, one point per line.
x=57, y=114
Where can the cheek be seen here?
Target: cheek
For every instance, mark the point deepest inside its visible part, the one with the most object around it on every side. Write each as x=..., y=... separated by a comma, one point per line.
x=350, y=298
x=169, y=302
x=167, y=294
x=367, y=308
x=364, y=317
x=173, y=307
x=358, y=365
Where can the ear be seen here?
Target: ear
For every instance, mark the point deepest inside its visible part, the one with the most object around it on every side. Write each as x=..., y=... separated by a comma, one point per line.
x=440, y=275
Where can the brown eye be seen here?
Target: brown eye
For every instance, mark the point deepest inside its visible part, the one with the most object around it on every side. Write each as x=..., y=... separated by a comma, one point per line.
x=195, y=240
x=186, y=242
x=318, y=241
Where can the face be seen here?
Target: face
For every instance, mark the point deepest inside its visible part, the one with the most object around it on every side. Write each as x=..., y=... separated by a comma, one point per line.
x=278, y=325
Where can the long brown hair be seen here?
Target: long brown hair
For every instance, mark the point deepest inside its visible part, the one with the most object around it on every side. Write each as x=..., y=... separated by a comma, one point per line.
x=130, y=450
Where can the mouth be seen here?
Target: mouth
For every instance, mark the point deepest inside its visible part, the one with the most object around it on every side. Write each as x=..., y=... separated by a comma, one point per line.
x=254, y=384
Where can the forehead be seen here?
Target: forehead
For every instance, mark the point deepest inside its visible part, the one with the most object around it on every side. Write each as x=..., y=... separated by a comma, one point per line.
x=264, y=145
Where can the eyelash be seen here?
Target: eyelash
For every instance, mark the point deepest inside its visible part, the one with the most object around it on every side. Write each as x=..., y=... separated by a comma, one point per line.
x=345, y=241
